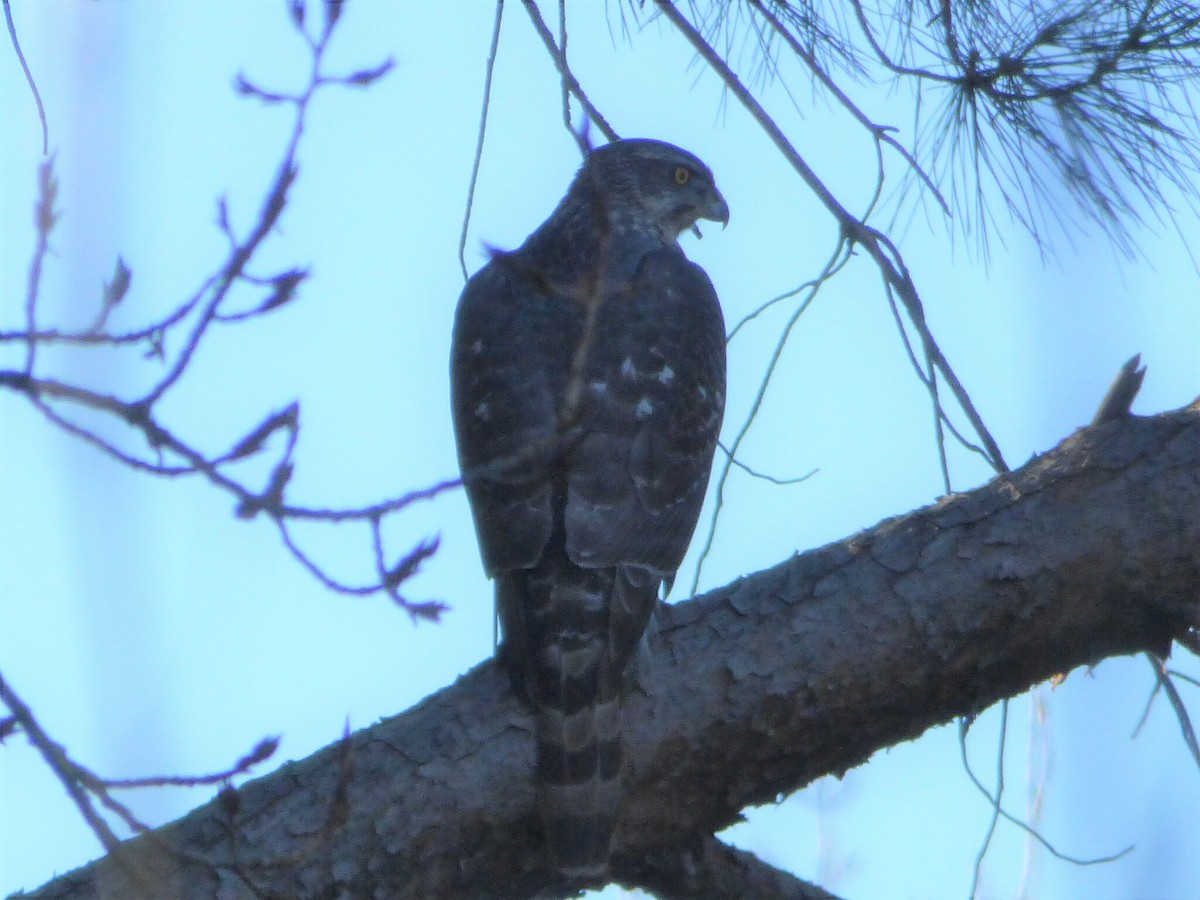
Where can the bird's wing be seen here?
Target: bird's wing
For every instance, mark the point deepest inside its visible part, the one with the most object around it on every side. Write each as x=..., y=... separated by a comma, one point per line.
x=655, y=395
x=506, y=375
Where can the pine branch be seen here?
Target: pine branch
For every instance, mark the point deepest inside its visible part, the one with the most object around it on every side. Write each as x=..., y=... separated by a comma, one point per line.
x=1089, y=551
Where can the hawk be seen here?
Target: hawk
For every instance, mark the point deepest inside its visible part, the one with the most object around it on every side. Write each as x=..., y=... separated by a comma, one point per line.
x=588, y=387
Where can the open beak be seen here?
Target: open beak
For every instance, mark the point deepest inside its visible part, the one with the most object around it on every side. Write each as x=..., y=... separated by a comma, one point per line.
x=717, y=209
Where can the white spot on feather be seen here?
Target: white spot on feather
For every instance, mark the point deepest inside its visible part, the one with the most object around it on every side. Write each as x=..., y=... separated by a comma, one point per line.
x=477, y=347
x=628, y=369
x=483, y=411
x=599, y=387
x=666, y=374
x=644, y=408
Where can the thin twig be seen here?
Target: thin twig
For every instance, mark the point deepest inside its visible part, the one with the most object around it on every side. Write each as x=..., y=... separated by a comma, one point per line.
x=560, y=63
x=764, y=476
x=779, y=298
x=44, y=219
x=881, y=133
x=997, y=798
x=197, y=313
x=58, y=762
x=836, y=260
x=1178, y=706
x=483, y=118
x=33, y=88
x=1032, y=832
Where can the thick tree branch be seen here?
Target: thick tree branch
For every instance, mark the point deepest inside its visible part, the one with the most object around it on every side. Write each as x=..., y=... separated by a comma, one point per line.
x=753, y=690
x=715, y=871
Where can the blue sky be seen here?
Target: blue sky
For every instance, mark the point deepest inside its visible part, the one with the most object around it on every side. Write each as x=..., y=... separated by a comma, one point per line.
x=153, y=632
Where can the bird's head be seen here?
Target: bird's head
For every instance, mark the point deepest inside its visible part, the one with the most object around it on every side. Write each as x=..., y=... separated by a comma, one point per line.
x=652, y=185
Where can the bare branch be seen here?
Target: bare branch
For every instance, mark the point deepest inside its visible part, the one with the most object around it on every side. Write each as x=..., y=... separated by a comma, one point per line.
x=715, y=871
x=569, y=80
x=1121, y=393
x=881, y=250
x=483, y=117
x=1177, y=706
x=60, y=764
x=840, y=254
x=193, y=318
x=973, y=599
x=33, y=88
x=880, y=133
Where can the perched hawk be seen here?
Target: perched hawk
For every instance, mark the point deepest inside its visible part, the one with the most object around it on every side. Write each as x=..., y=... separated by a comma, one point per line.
x=588, y=382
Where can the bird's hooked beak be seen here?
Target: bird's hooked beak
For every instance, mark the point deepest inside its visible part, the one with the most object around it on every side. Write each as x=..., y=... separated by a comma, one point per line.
x=717, y=209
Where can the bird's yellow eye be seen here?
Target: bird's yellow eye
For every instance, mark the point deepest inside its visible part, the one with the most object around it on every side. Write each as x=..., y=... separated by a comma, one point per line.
x=682, y=175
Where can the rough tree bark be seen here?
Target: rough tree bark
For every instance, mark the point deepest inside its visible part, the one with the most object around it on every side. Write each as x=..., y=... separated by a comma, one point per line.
x=753, y=690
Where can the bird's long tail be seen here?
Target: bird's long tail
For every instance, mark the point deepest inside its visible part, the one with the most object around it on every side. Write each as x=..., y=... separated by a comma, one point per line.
x=580, y=628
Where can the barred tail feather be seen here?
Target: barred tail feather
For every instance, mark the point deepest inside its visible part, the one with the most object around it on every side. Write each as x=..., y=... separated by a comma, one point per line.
x=572, y=633
x=579, y=786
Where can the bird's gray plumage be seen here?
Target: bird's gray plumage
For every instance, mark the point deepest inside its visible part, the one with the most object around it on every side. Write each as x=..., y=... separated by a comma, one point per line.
x=588, y=382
